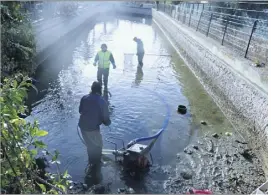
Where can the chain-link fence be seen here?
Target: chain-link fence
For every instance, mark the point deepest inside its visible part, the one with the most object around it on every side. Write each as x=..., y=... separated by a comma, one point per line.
x=232, y=27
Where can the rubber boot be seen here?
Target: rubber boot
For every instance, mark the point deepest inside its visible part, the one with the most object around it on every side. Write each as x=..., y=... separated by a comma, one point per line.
x=105, y=88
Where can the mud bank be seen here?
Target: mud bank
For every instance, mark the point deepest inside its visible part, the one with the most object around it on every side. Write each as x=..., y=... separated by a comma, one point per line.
x=80, y=188
x=242, y=100
x=220, y=163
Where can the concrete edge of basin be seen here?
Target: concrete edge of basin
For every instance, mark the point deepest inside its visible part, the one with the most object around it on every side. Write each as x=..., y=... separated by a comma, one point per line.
x=56, y=45
x=241, y=102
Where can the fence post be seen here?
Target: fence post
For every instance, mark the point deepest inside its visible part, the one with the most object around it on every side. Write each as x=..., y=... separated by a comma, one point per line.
x=225, y=30
x=179, y=13
x=199, y=20
x=176, y=12
x=209, y=25
x=190, y=14
x=252, y=31
x=184, y=12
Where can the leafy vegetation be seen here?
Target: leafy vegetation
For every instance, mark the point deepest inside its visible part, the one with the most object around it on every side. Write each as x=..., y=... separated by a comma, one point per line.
x=17, y=39
x=25, y=159
x=68, y=8
x=24, y=156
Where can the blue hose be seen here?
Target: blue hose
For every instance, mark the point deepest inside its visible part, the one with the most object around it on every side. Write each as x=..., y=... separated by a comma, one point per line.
x=165, y=124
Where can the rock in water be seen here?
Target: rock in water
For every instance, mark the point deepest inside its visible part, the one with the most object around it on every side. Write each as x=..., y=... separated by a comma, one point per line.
x=215, y=135
x=131, y=191
x=241, y=142
x=247, y=154
x=85, y=186
x=210, y=146
x=228, y=134
x=99, y=189
x=195, y=147
x=203, y=123
x=188, y=151
x=186, y=175
x=121, y=191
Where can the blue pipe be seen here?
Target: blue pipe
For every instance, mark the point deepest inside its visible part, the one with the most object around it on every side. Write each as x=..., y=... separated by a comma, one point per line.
x=165, y=124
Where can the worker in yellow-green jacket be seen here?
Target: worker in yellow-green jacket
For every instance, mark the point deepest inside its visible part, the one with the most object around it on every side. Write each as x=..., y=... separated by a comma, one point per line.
x=104, y=57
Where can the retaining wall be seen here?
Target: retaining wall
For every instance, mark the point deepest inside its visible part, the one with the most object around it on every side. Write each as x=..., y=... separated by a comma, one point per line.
x=230, y=81
x=50, y=35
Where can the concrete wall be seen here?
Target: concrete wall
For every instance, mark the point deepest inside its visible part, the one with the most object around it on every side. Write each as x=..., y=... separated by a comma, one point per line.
x=51, y=34
x=234, y=85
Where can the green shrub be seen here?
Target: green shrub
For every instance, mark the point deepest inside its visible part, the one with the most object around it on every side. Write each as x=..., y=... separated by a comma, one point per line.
x=18, y=45
x=21, y=148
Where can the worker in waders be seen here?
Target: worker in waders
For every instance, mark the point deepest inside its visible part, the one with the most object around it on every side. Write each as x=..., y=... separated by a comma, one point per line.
x=93, y=111
x=140, y=51
x=104, y=57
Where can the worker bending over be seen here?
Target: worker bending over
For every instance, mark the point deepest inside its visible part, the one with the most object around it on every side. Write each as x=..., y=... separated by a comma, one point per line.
x=140, y=51
x=93, y=111
x=104, y=57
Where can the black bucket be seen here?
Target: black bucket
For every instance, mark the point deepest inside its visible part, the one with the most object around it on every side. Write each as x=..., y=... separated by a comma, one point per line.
x=182, y=109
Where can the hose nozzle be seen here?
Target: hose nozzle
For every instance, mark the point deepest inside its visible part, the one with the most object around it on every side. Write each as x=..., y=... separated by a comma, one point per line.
x=131, y=143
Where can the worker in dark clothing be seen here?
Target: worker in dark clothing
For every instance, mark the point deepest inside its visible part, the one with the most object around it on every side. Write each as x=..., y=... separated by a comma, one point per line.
x=93, y=111
x=140, y=51
x=104, y=57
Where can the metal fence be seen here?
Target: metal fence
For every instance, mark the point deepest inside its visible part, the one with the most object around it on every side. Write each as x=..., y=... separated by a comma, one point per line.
x=233, y=28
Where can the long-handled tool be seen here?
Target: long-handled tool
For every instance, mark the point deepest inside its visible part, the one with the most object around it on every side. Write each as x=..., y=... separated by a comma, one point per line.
x=150, y=54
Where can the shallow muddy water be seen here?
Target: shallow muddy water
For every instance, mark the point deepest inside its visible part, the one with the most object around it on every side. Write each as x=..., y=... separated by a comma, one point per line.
x=135, y=109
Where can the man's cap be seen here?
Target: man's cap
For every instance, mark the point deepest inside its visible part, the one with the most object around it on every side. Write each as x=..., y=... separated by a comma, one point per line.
x=104, y=45
x=96, y=87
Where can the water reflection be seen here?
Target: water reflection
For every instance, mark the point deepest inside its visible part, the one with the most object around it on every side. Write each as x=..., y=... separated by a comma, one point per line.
x=105, y=31
x=106, y=95
x=133, y=19
x=139, y=76
x=48, y=72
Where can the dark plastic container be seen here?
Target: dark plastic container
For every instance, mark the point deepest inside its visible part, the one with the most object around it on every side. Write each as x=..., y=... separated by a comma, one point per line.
x=182, y=109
